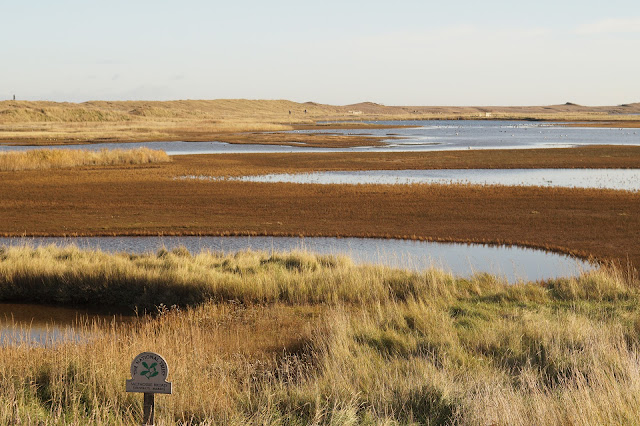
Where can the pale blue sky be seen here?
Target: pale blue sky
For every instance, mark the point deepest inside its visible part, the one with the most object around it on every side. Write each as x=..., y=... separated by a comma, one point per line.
x=339, y=52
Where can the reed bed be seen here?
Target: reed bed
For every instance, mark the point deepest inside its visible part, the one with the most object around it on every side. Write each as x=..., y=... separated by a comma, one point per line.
x=44, y=159
x=293, y=338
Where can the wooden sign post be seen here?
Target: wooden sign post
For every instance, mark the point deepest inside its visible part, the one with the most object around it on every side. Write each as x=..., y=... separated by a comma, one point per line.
x=149, y=373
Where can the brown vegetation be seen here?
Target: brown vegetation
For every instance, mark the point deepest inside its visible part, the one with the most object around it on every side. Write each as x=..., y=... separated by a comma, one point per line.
x=43, y=159
x=313, y=140
x=629, y=124
x=147, y=200
x=602, y=157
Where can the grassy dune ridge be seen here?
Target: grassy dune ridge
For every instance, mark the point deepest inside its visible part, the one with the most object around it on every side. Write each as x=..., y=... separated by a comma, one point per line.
x=58, y=123
x=329, y=342
x=43, y=159
x=112, y=111
x=106, y=111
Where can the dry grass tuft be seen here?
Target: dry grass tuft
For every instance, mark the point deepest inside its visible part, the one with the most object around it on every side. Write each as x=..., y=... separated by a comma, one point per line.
x=44, y=159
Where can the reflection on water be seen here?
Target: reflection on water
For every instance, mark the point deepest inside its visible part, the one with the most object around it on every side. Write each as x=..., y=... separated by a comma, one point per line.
x=622, y=179
x=46, y=325
x=425, y=136
x=512, y=263
x=481, y=134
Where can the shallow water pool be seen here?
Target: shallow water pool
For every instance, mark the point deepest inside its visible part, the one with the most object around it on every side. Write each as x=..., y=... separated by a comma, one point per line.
x=620, y=179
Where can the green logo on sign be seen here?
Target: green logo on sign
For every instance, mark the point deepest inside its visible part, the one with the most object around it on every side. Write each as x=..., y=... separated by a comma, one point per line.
x=150, y=371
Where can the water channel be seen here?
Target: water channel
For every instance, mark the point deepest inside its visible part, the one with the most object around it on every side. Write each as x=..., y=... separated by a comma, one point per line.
x=433, y=135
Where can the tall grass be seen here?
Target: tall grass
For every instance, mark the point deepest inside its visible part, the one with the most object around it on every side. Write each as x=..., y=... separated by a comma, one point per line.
x=69, y=275
x=43, y=159
x=300, y=339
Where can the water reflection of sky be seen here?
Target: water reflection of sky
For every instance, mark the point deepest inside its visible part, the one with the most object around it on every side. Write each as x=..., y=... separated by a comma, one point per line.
x=437, y=135
x=40, y=325
x=512, y=263
x=24, y=334
x=483, y=134
x=620, y=179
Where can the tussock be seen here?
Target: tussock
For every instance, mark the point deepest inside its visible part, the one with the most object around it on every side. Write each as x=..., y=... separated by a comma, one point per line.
x=43, y=159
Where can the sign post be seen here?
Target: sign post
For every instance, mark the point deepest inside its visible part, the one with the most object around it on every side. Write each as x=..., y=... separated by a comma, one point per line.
x=149, y=373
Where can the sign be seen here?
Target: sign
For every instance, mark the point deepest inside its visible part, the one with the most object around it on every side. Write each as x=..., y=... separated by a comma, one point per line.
x=149, y=373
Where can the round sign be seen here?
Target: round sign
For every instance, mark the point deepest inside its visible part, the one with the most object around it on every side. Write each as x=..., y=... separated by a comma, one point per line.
x=149, y=373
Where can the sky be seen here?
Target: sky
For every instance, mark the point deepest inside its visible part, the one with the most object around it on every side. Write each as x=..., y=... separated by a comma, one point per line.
x=403, y=52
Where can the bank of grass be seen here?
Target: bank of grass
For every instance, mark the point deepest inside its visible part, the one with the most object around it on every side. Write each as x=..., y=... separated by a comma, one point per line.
x=70, y=275
x=354, y=344
x=44, y=159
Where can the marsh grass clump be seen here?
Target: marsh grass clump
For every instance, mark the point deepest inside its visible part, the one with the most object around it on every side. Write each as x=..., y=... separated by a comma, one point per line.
x=294, y=338
x=176, y=277
x=43, y=159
